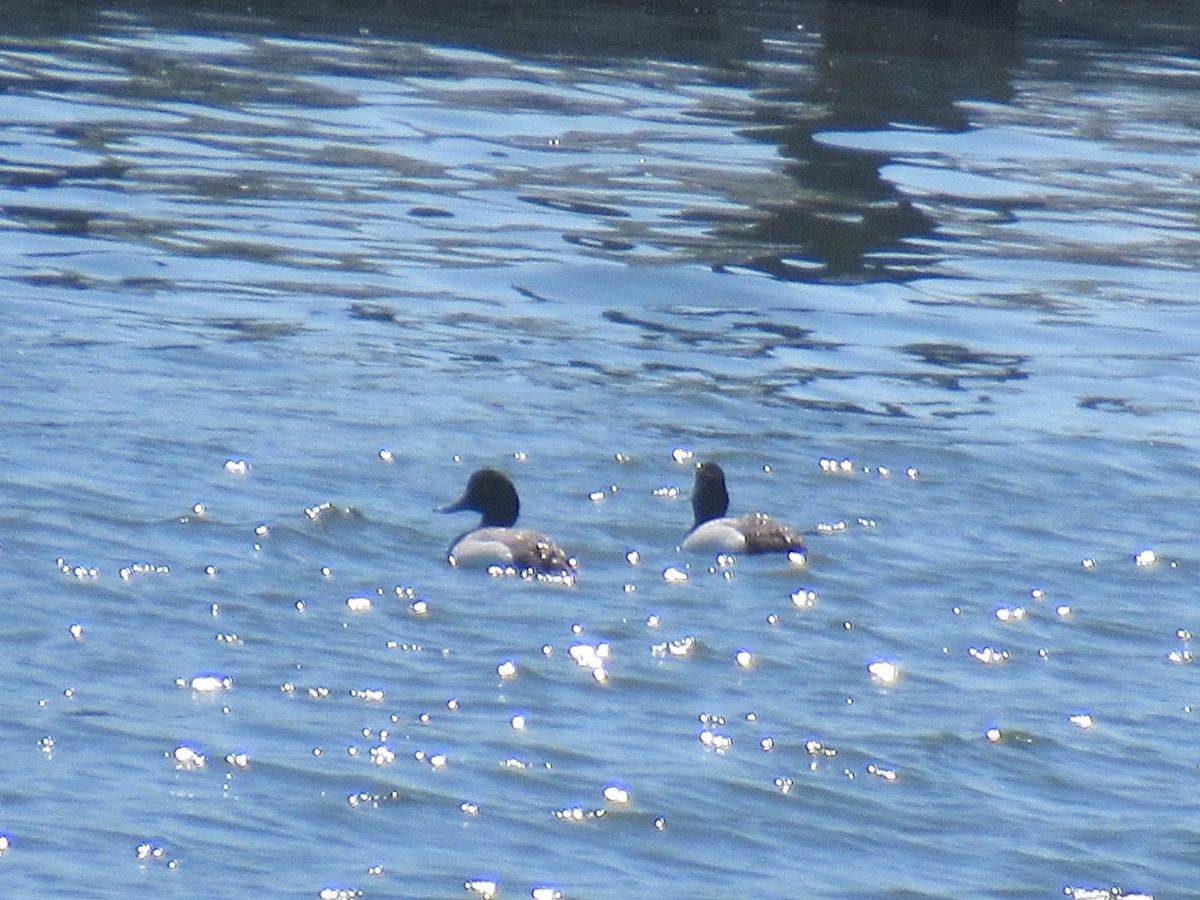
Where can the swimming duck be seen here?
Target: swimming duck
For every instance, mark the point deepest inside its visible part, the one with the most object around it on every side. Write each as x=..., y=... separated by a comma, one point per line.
x=496, y=542
x=713, y=530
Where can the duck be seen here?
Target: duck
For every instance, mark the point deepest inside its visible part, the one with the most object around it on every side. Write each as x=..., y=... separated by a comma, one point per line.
x=496, y=541
x=714, y=530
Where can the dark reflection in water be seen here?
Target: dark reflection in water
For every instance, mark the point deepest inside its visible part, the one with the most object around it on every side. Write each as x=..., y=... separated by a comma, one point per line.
x=808, y=68
x=879, y=65
x=955, y=366
x=875, y=64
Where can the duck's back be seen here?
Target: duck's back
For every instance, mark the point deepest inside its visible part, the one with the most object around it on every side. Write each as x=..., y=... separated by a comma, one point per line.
x=521, y=548
x=755, y=533
x=766, y=535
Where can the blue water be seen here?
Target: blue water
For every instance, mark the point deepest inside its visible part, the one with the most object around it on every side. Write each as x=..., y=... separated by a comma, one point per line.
x=275, y=284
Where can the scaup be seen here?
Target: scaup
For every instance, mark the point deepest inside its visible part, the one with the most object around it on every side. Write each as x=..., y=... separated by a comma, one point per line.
x=713, y=530
x=496, y=542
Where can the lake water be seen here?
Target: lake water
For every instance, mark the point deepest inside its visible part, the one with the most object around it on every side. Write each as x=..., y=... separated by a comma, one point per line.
x=277, y=280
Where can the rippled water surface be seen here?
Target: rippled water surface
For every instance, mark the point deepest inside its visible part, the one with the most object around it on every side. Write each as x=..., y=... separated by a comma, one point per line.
x=276, y=282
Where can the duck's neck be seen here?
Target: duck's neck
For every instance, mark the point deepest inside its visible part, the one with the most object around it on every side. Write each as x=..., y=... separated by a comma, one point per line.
x=710, y=502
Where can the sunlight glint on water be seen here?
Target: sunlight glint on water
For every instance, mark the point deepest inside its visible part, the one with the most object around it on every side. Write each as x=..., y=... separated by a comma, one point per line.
x=275, y=285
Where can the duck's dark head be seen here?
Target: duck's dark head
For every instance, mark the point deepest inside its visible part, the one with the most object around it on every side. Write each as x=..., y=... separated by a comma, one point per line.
x=710, y=499
x=491, y=493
